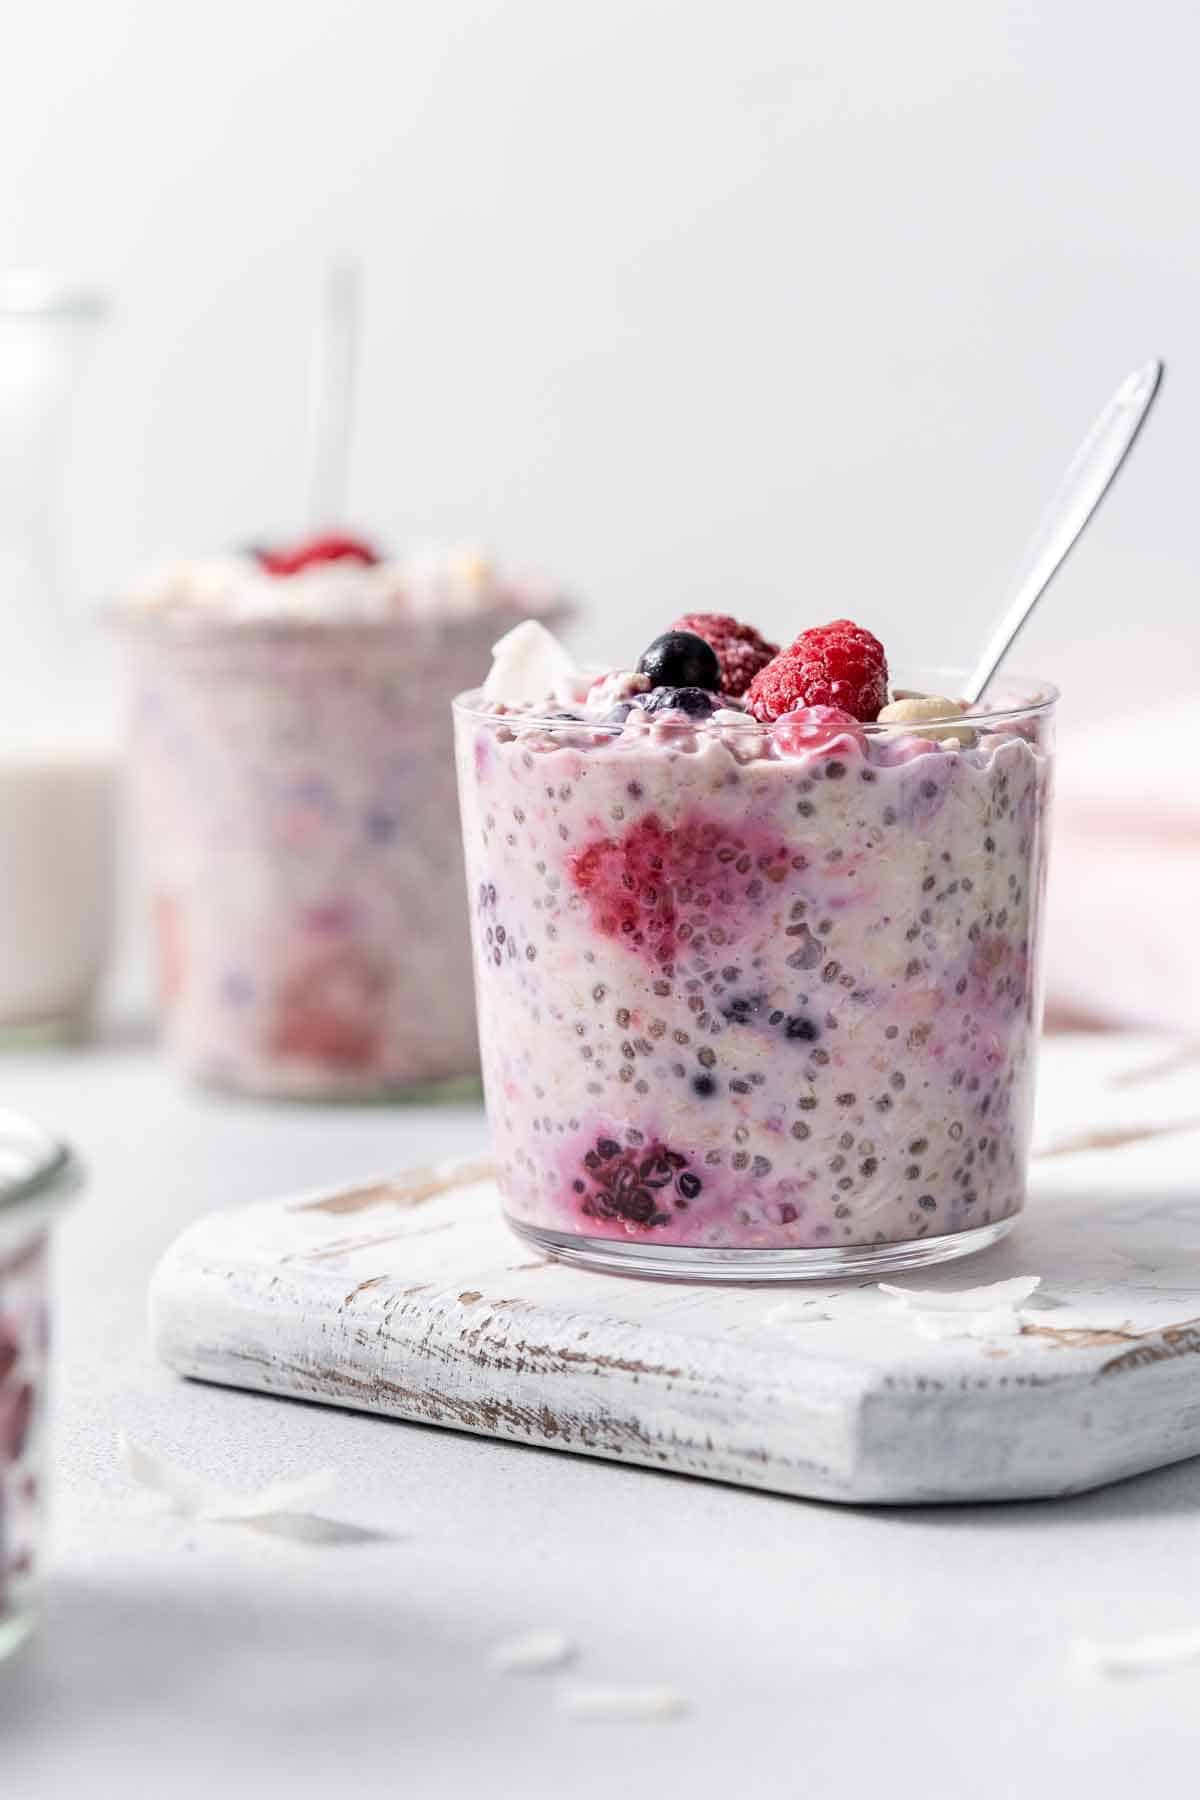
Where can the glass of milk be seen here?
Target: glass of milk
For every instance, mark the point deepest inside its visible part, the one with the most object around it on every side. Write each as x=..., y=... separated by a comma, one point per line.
x=56, y=772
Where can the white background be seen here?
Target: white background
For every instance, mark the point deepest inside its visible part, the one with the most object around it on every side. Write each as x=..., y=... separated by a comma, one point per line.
x=786, y=309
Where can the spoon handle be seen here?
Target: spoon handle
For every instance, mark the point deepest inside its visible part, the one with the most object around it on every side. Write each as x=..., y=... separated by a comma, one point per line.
x=1087, y=480
x=332, y=394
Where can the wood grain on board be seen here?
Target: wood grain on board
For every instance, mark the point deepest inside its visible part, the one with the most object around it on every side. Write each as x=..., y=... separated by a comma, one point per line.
x=408, y=1297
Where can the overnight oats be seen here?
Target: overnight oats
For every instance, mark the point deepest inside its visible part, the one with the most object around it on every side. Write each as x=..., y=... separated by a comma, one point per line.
x=36, y=1175
x=756, y=951
x=291, y=760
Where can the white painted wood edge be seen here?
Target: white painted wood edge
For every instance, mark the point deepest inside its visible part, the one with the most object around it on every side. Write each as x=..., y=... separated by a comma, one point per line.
x=414, y=1302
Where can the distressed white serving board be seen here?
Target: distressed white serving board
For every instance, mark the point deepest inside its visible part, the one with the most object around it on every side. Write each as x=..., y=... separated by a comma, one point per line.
x=410, y=1298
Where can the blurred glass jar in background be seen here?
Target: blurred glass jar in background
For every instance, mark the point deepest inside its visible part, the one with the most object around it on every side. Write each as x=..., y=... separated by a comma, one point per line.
x=56, y=774
x=37, y=1173
x=293, y=778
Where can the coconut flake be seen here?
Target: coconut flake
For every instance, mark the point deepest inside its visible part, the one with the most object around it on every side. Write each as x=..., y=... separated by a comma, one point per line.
x=195, y=1498
x=977, y=1299
x=531, y=1652
x=980, y=1312
x=603, y=1701
x=1140, y=1655
x=1001, y=1321
x=796, y=1312
x=527, y=663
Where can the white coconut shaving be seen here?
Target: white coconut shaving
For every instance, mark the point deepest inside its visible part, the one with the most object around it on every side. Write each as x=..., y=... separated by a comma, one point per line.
x=528, y=663
x=979, y=1312
x=532, y=1652
x=281, y=1507
x=796, y=1312
x=1139, y=1655
x=603, y=1702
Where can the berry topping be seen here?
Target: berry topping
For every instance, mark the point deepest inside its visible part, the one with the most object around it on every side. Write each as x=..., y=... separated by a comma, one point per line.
x=837, y=665
x=741, y=651
x=680, y=659
x=820, y=731
x=332, y=546
x=697, y=702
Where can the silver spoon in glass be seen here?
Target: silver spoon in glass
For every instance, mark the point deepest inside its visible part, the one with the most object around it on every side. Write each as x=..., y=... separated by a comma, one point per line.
x=1088, y=478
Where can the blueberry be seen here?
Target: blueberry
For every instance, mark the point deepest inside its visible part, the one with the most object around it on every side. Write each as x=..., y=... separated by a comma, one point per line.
x=750, y=1009
x=697, y=702
x=743, y=1008
x=680, y=659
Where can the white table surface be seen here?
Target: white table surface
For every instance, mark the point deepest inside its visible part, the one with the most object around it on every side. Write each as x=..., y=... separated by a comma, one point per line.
x=825, y=1651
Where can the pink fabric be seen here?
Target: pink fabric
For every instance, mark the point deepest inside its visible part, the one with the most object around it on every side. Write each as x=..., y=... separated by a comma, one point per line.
x=1123, y=909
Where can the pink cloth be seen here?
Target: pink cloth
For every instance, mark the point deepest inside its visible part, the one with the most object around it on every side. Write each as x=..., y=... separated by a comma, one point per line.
x=1123, y=909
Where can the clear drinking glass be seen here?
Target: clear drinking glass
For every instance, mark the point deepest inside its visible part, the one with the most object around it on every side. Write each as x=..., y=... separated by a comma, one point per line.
x=36, y=1174
x=56, y=757
x=753, y=1003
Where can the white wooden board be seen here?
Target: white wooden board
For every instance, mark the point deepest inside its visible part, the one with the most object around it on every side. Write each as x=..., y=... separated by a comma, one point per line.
x=410, y=1298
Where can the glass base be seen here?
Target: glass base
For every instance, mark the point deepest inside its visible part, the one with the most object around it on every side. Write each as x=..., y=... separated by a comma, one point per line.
x=63, y=1031
x=688, y=1262
x=448, y=1090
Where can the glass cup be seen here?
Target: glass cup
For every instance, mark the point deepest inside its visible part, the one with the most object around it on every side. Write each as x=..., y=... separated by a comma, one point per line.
x=57, y=764
x=299, y=832
x=36, y=1175
x=759, y=1002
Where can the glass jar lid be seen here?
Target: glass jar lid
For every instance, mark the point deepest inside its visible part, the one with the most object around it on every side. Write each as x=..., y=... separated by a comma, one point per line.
x=35, y=1166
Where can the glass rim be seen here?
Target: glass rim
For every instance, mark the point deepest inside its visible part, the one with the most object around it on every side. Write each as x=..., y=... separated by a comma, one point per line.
x=35, y=1165
x=195, y=624
x=1043, y=697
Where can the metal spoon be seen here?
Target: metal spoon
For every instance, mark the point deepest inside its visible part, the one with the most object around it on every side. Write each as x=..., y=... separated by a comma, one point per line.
x=1088, y=478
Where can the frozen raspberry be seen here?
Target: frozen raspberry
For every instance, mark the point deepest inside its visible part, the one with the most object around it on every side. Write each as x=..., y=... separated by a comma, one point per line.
x=643, y=887
x=895, y=750
x=740, y=650
x=820, y=731
x=329, y=1010
x=333, y=546
x=832, y=665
